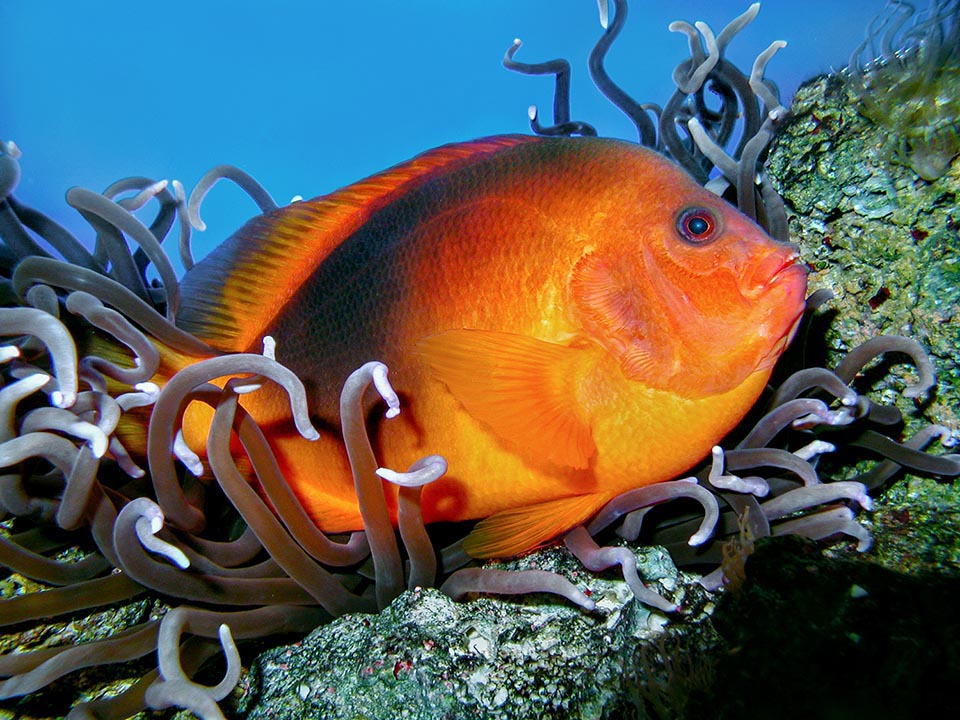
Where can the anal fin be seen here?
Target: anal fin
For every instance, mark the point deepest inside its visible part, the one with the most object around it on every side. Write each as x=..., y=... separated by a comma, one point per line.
x=515, y=531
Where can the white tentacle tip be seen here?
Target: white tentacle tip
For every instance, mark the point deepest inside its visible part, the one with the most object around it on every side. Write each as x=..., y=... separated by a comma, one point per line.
x=8, y=353
x=34, y=382
x=424, y=471
x=176, y=556
x=700, y=537
x=153, y=520
x=604, y=9
x=187, y=456
x=93, y=435
x=148, y=388
x=391, y=476
x=752, y=485
x=246, y=389
x=193, y=216
x=383, y=386
x=156, y=523
x=63, y=399
x=813, y=449
x=146, y=195
x=269, y=347
x=229, y=648
x=146, y=394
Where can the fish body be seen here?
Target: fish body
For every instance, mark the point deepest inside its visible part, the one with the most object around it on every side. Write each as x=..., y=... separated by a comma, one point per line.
x=564, y=318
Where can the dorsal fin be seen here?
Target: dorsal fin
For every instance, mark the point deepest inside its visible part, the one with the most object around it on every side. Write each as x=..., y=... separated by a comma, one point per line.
x=233, y=295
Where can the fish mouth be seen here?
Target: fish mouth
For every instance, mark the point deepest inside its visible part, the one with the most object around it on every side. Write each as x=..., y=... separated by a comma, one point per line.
x=789, y=283
x=791, y=265
x=774, y=270
x=790, y=279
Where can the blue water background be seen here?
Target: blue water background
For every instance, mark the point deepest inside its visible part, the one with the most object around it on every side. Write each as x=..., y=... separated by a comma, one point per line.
x=310, y=96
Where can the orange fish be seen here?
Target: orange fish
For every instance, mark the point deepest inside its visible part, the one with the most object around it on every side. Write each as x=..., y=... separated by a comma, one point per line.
x=565, y=319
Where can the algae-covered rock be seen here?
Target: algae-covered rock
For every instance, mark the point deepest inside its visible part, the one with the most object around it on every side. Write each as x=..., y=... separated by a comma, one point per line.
x=883, y=239
x=915, y=527
x=428, y=657
x=886, y=242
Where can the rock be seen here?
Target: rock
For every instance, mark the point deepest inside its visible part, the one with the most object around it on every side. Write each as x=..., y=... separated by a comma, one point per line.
x=885, y=241
x=428, y=657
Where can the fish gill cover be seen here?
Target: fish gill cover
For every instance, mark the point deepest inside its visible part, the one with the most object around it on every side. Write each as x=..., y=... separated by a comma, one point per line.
x=237, y=562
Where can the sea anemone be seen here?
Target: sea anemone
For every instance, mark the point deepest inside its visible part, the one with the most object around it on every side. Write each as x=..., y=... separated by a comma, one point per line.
x=225, y=543
x=906, y=75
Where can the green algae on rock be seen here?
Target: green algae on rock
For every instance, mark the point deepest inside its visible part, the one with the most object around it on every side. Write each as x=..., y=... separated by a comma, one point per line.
x=916, y=528
x=887, y=244
x=882, y=239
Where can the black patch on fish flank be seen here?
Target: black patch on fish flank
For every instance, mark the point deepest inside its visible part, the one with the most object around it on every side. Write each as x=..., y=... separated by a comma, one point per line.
x=342, y=316
x=345, y=314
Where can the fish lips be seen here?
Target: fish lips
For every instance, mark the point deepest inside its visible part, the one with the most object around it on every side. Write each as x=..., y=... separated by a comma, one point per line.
x=791, y=276
x=777, y=268
x=787, y=287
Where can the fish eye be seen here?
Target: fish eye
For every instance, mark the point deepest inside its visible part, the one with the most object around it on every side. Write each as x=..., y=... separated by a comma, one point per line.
x=698, y=225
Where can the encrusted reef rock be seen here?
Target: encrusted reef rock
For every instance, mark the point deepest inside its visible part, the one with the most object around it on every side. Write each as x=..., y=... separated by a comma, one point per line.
x=885, y=241
x=887, y=244
x=428, y=657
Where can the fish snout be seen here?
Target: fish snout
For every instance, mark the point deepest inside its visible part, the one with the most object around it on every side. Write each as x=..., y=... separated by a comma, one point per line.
x=780, y=267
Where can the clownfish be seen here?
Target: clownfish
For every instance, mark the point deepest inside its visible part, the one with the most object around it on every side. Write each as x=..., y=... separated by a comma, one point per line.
x=565, y=319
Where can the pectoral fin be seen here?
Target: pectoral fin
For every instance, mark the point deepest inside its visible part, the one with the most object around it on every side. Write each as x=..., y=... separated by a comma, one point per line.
x=521, y=387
